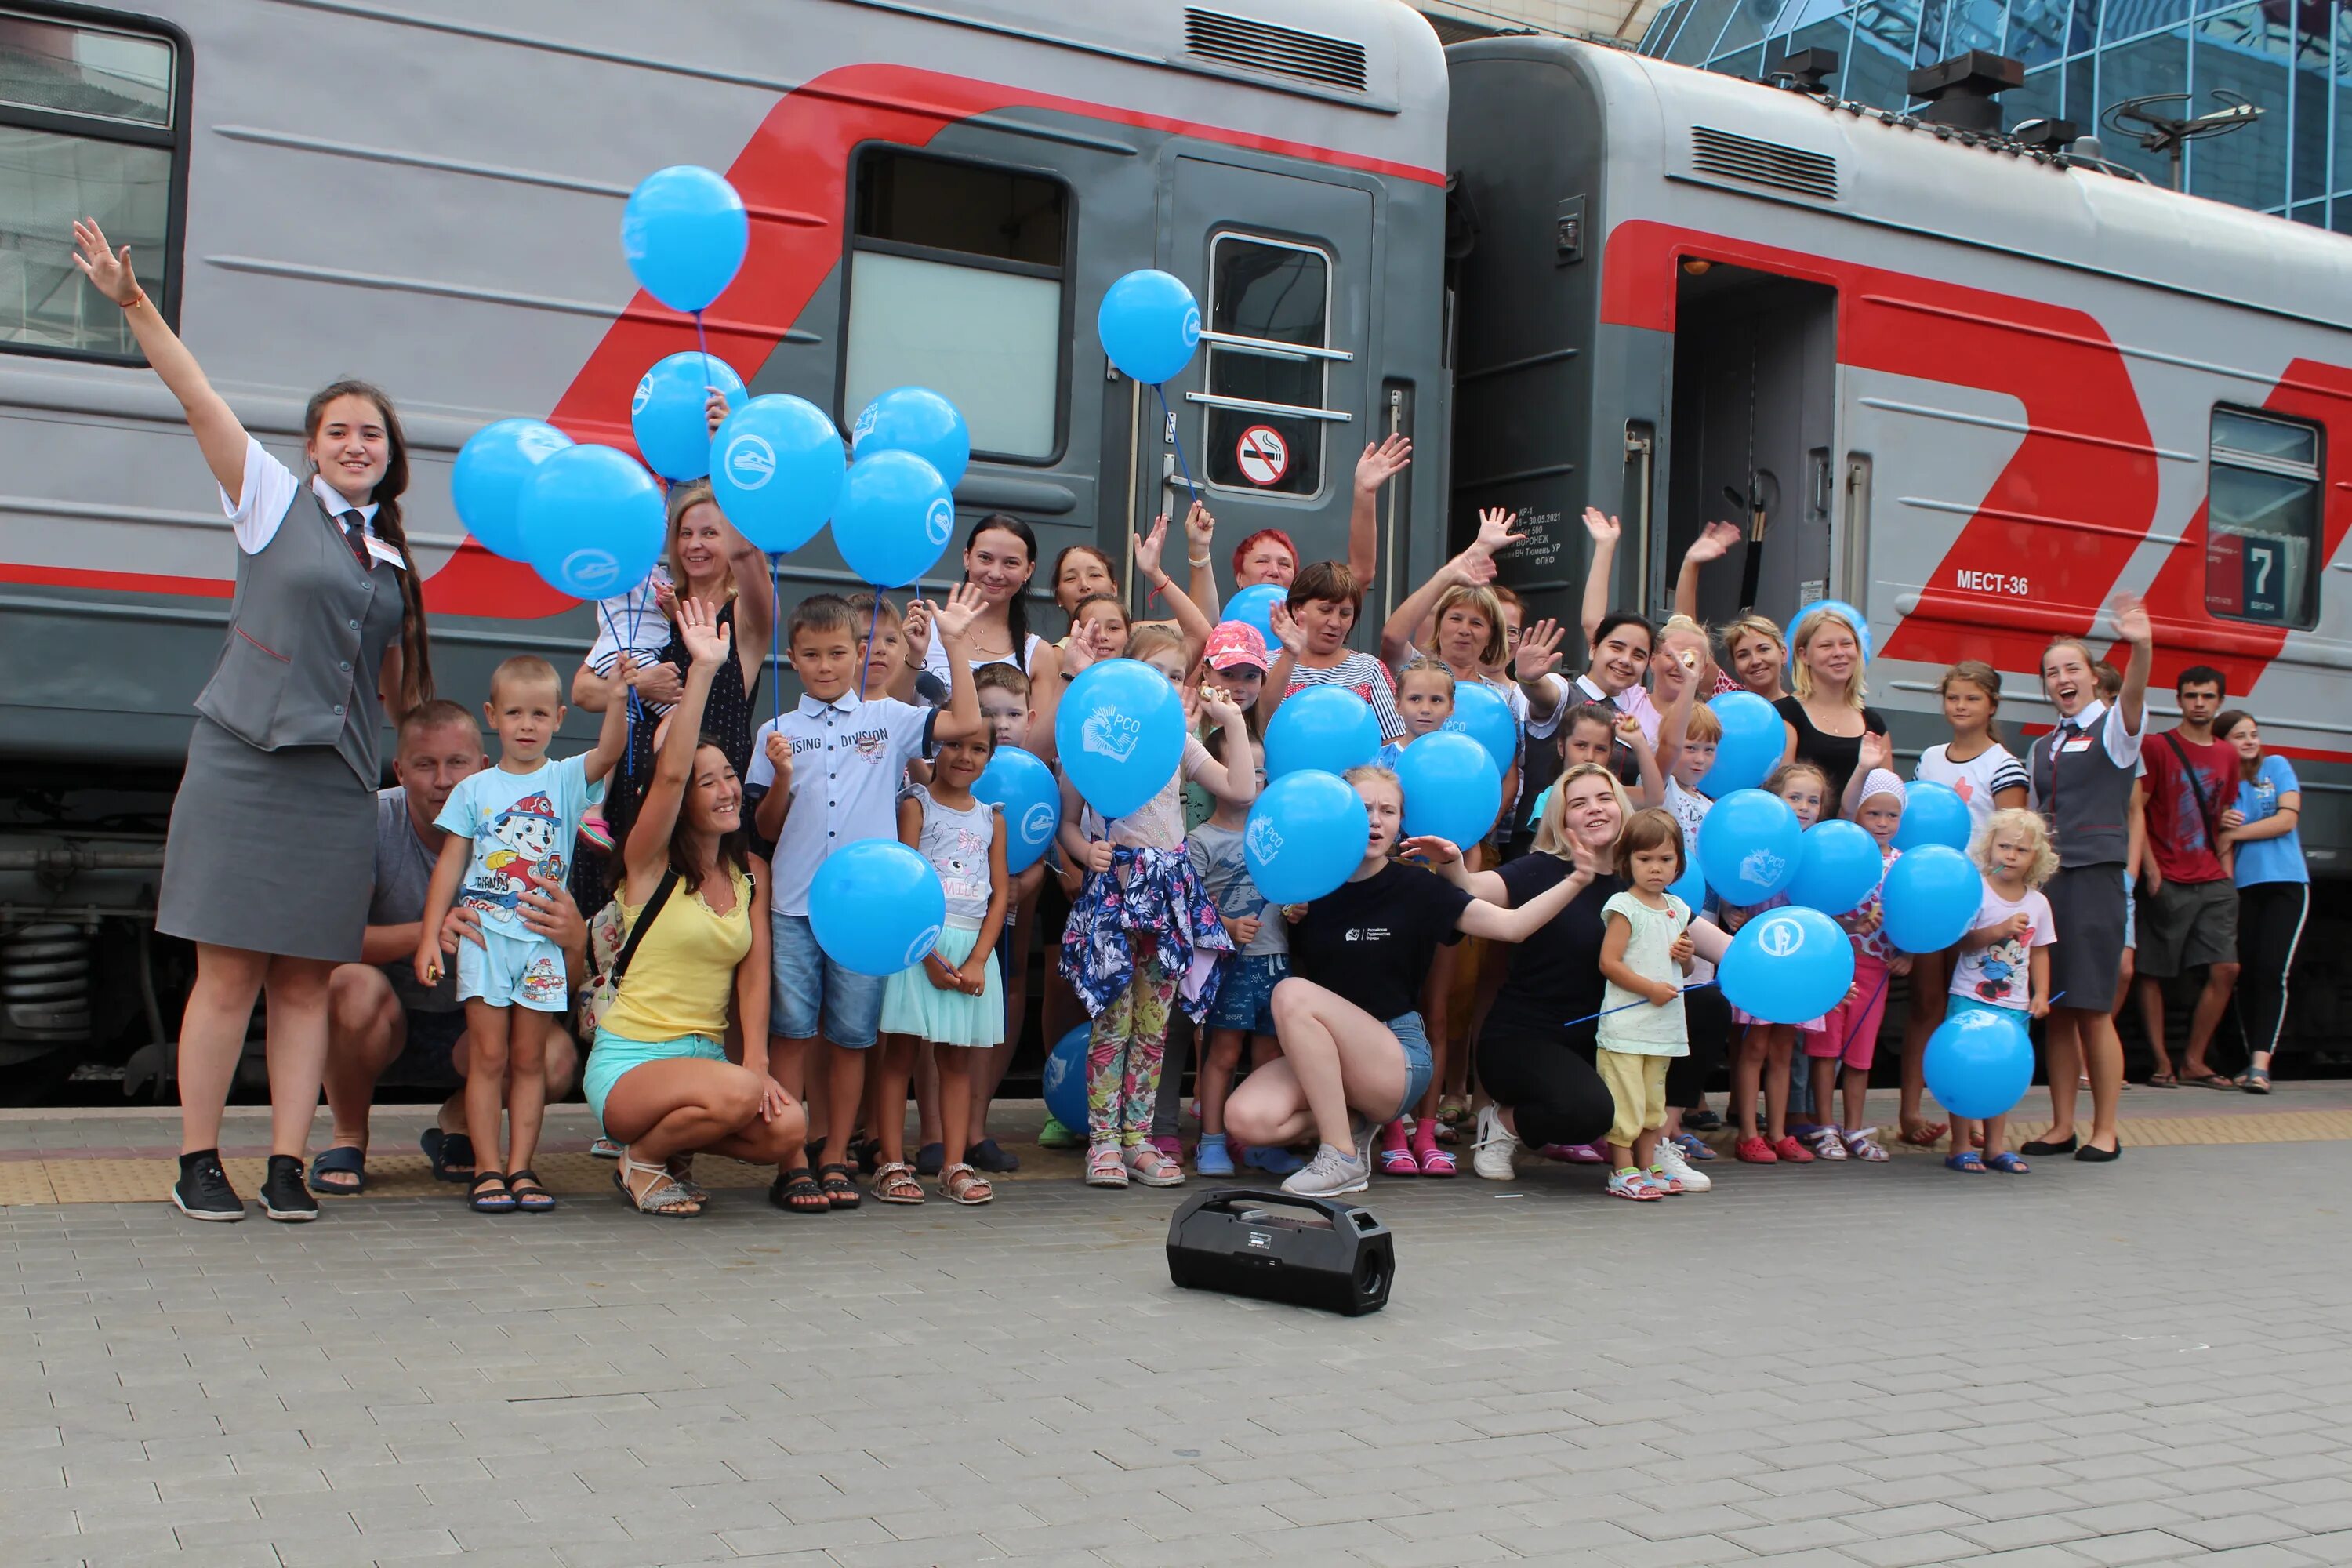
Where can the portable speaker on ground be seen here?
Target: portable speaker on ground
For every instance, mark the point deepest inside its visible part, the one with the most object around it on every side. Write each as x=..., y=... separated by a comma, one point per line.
x=1306, y=1252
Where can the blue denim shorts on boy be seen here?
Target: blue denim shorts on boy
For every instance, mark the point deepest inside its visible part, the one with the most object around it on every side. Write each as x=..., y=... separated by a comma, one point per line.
x=815, y=995
x=1245, y=995
x=512, y=972
x=1420, y=1064
x=615, y=1054
x=2131, y=911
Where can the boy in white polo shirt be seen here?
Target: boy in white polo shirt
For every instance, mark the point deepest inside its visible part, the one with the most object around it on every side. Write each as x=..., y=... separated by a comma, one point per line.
x=824, y=776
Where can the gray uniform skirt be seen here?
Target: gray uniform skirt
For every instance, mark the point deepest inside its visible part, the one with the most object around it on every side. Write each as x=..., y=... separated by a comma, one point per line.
x=2086, y=905
x=269, y=851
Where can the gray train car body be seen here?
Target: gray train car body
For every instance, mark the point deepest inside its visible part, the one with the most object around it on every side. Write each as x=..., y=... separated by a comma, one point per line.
x=429, y=196
x=1967, y=388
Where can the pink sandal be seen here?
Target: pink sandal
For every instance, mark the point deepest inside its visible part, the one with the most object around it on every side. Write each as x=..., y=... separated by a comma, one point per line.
x=1396, y=1154
x=1434, y=1161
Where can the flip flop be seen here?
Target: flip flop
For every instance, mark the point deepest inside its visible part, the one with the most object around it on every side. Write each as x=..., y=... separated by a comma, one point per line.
x=1924, y=1134
x=344, y=1159
x=2214, y=1081
x=452, y=1154
x=2163, y=1080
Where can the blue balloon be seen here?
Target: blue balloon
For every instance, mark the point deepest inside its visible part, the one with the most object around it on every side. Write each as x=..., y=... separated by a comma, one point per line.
x=1150, y=324
x=1032, y=800
x=683, y=234
x=1754, y=738
x=1691, y=885
x=1482, y=713
x=666, y=415
x=876, y=906
x=592, y=521
x=894, y=518
x=915, y=419
x=1930, y=897
x=1750, y=845
x=1786, y=966
x=1979, y=1063
x=493, y=469
x=1307, y=833
x=1120, y=733
x=1844, y=612
x=1837, y=866
x=776, y=471
x=1934, y=814
x=1451, y=788
x=1064, y=1079
x=1255, y=606
x=1326, y=727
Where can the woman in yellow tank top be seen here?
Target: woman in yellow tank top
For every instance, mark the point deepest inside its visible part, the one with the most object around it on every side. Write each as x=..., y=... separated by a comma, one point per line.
x=660, y=1078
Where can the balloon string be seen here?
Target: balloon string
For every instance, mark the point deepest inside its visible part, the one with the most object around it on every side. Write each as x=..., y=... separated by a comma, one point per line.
x=1168, y=423
x=704, y=344
x=872, y=623
x=776, y=635
x=1622, y=1006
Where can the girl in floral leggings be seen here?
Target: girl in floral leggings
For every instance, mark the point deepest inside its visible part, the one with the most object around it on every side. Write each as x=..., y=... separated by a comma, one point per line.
x=1143, y=932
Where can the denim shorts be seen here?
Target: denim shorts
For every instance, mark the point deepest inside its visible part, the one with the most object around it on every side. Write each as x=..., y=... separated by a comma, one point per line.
x=614, y=1056
x=814, y=996
x=2131, y=910
x=1420, y=1065
x=1246, y=995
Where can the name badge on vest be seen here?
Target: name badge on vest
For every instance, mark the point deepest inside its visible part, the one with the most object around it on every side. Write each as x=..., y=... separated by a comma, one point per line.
x=383, y=552
x=2079, y=743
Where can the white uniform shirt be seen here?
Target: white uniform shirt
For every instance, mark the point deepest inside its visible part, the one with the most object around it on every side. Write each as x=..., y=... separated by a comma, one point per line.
x=848, y=760
x=1632, y=699
x=268, y=487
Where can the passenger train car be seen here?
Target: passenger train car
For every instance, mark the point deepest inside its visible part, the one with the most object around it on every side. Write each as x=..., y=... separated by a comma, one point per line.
x=1974, y=387
x=429, y=195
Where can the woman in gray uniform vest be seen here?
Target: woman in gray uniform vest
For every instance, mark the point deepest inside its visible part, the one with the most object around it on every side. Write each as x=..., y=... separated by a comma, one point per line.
x=272, y=845
x=2083, y=780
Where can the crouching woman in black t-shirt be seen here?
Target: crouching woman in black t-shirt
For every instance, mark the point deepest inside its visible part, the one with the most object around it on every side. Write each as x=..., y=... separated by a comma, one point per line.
x=1351, y=1041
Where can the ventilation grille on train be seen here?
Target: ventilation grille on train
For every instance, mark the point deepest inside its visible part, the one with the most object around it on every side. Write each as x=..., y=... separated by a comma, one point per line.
x=1730, y=157
x=1285, y=51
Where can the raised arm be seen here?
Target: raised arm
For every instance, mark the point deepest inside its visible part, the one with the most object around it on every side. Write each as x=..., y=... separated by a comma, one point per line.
x=647, y=850
x=1190, y=624
x=1276, y=684
x=1674, y=725
x=2132, y=625
x=219, y=436
x=1475, y=564
x=1498, y=925
x=1604, y=530
x=1713, y=543
x=613, y=735
x=952, y=622
x=1234, y=786
x=1876, y=751
x=1533, y=664
x=755, y=604
x=1645, y=760
x=1200, y=541
x=1383, y=461
x=1444, y=857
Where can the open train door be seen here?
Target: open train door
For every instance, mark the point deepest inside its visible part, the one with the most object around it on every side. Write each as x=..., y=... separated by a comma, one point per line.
x=1753, y=439
x=1273, y=411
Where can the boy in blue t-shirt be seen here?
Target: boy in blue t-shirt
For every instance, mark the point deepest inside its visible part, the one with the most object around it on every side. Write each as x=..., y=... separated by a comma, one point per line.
x=508, y=825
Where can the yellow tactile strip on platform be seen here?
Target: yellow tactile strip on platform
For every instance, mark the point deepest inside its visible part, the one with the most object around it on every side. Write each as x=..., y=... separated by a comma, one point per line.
x=104, y=1179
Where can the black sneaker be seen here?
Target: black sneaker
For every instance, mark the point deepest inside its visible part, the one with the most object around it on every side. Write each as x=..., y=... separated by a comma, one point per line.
x=283, y=1196
x=203, y=1191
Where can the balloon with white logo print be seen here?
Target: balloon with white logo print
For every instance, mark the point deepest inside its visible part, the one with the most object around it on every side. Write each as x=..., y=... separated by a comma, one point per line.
x=668, y=417
x=592, y=521
x=1307, y=835
x=1749, y=846
x=1031, y=799
x=1150, y=324
x=894, y=518
x=493, y=468
x=915, y=419
x=1786, y=966
x=1931, y=896
x=776, y=471
x=876, y=906
x=1121, y=734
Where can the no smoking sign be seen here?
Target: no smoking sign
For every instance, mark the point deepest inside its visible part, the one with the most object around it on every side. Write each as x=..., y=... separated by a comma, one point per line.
x=1263, y=455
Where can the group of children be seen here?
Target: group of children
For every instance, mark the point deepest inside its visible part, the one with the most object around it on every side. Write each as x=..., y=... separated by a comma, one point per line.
x=1162, y=914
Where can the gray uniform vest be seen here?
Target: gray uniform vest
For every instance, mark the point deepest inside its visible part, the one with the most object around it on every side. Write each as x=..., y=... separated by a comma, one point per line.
x=2087, y=796
x=307, y=635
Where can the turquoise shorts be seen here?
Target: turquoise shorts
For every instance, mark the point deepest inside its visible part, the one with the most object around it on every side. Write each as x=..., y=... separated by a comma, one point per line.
x=513, y=972
x=614, y=1056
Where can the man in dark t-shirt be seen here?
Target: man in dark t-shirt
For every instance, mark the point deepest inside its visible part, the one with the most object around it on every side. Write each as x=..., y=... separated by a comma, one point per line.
x=2188, y=910
x=377, y=1013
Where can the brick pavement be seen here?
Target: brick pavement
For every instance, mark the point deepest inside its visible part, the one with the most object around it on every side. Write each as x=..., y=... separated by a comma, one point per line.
x=2147, y=1362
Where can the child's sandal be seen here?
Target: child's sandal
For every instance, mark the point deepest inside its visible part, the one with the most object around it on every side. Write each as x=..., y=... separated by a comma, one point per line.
x=2009, y=1164
x=1968, y=1161
x=530, y=1194
x=839, y=1187
x=895, y=1183
x=962, y=1184
x=498, y=1201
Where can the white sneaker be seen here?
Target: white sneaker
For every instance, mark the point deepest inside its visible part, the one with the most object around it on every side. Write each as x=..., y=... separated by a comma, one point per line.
x=1671, y=1161
x=1331, y=1173
x=1492, y=1147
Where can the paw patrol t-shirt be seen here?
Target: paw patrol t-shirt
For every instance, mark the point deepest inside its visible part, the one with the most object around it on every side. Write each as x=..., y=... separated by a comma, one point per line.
x=520, y=823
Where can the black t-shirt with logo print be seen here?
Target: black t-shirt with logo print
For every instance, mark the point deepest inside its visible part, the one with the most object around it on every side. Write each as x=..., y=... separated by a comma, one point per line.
x=1372, y=941
x=1555, y=974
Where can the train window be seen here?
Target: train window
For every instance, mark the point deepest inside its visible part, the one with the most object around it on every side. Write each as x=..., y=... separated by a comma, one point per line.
x=956, y=283
x=91, y=125
x=1264, y=419
x=2262, y=513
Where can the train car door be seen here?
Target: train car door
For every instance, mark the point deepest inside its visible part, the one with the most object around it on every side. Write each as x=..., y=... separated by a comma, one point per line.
x=1753, y=439
x=1274, y=408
